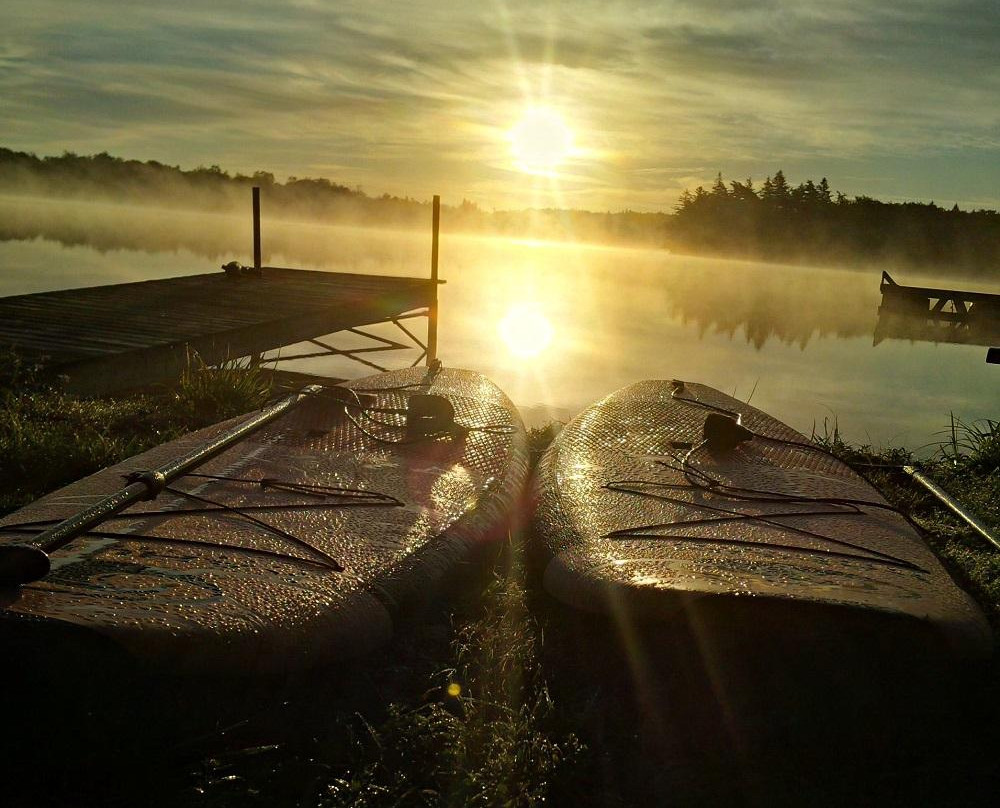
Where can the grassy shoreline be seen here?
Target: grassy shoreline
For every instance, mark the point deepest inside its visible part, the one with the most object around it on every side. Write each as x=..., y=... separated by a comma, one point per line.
x=495, y=697
x=49, y=438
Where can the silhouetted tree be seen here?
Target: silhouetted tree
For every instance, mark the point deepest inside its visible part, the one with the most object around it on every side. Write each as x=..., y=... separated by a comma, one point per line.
x=780, y=193
x=824, y=191
x=743, y=191
x=803, y=223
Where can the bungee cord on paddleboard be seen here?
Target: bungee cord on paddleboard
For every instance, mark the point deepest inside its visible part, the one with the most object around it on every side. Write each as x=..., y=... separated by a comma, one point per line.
x=350, y=498
x=725, y=431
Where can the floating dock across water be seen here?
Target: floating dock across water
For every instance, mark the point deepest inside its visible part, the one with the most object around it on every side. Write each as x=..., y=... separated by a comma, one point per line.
x=937, y=315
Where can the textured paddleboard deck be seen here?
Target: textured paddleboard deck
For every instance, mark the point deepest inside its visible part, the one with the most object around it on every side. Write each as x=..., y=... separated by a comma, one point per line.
x=224, y=574
x=637, y=515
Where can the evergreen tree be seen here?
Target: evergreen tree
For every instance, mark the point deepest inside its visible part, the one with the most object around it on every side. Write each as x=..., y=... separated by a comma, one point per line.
x=743, y=191
x=685, y=201
x=780, y=186
x=824, y=190
x=804, y=196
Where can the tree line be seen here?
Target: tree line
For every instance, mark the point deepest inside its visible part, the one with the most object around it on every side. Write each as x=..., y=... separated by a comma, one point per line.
x=811, y=223
x=150, y=182
x=774, y=222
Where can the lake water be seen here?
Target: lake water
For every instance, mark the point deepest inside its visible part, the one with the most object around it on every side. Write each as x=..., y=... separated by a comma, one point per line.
x=799, y=339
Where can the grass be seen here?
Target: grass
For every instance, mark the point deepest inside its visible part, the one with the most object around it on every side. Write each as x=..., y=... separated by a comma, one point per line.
x=49, y=438
x=481, y=737
x=494, y=696
x=455, y=712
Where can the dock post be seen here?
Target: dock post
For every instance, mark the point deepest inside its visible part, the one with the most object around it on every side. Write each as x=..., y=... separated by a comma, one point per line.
x=432, y=313
x=256, y=230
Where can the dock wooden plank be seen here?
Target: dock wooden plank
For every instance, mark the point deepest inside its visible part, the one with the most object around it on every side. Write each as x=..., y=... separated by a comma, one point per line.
x=124, y=335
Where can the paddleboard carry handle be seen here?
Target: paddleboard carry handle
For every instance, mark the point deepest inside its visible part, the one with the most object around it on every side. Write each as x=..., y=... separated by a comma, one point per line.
x=723, y=432
x=428, y=415
x=22, y=562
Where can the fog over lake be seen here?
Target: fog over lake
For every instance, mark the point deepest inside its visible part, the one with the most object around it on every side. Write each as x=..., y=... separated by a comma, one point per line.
x=799, y=339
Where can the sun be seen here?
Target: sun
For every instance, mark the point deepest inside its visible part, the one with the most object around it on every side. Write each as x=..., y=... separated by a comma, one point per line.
x=525, y=330
x=540, y=141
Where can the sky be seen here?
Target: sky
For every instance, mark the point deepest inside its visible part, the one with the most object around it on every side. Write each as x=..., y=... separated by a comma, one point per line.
x=897, y=99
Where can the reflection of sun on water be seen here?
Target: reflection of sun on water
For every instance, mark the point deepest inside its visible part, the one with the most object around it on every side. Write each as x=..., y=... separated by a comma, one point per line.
x=525, y=330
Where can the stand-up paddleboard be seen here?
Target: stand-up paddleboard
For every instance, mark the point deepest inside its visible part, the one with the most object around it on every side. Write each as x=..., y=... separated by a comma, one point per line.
x=670, y=495
x=292, y=547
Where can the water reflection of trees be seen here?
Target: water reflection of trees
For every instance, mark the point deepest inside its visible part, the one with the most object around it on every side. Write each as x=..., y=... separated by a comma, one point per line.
x=765, y=302
x=107, y=228
x=215, y=237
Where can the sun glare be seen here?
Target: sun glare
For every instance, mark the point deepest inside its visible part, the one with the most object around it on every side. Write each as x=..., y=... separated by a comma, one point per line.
x=525, y=330
x=540, y=141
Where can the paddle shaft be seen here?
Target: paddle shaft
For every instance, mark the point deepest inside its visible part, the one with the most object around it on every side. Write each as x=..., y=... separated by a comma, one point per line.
x=27, y=561
x=953, y=505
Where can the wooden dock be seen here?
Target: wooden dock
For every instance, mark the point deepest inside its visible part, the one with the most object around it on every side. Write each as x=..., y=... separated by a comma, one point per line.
x=108, y=338
x=937, y=315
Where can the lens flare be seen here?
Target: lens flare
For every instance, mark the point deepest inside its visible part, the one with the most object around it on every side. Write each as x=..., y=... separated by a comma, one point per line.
x=525, y=330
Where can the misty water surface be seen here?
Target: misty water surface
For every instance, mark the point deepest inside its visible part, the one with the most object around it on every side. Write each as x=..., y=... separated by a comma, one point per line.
x=799, y=339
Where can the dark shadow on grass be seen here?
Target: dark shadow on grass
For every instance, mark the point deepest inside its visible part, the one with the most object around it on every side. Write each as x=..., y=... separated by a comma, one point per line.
x=668, y=716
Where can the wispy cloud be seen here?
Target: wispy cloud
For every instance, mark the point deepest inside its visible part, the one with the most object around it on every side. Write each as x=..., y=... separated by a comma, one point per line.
x=414, y=98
